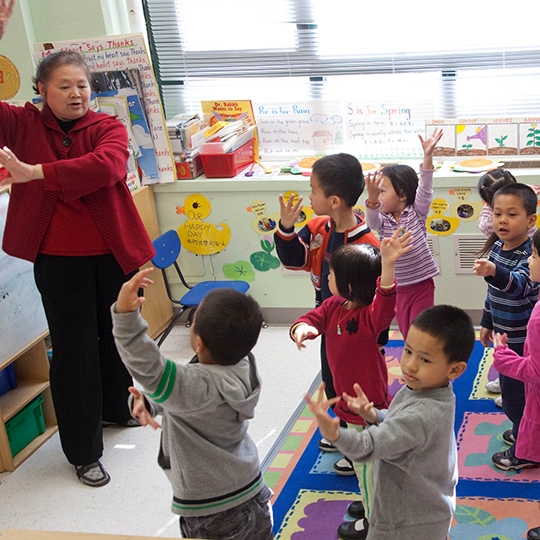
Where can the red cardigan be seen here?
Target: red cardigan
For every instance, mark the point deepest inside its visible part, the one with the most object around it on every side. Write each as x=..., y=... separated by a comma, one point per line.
x=88, y=163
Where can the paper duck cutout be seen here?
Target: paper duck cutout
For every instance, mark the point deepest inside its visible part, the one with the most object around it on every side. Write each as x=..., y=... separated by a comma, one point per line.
x=198, y=236
x=464, y=209
x=440, y=224
x=263, y=223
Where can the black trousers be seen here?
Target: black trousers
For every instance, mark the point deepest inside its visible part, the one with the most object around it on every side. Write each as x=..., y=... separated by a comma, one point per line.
x=89, y=382
x=513, y=400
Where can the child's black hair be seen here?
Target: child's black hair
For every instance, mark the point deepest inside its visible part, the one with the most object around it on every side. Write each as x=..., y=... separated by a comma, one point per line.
x=356, y=268
x=450, y=325
x=404, y=181
x=521, y=191
x=229, y=323
x=536, y=241
x=47, y=66
x=340, y=175
x=493, y=180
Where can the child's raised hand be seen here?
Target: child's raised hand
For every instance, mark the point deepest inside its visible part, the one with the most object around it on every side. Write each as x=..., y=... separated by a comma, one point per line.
x=361, y=404
x=373, y=186
x=394, y=247
x=429, y=144
x=289, y=211
x=484, y=267
x=128, y=297
x=328, y=426
x=139, y=410
x=302, y=332
x=499, y=339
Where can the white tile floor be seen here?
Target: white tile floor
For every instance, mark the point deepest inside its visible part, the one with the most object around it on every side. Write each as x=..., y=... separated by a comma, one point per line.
x=44, y=493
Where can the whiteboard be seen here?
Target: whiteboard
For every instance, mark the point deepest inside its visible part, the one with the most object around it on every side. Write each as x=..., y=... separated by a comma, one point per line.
x=22, y=318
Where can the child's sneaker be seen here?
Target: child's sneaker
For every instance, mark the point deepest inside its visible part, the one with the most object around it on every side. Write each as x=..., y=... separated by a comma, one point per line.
x=344, y=467
x=507, y=461
x=494, y=386
x=498, y=401
x=508, y=437
x=327, y=446
x=356, y=510
x=354, y=530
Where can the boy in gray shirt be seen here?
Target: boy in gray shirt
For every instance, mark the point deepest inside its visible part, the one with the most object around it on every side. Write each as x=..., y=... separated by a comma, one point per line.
x=206, y=452
x=412, y=444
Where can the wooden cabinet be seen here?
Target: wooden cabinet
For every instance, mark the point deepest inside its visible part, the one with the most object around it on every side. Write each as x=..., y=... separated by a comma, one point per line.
x=32, y=371
x=157, y=309
x=32, y=364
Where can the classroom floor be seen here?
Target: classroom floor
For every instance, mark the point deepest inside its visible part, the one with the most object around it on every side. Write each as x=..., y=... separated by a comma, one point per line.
x=44, y=493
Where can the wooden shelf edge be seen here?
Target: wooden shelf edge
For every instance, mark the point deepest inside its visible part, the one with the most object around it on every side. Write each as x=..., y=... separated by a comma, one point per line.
x=29, y=449
x=16, y=399
x=26, y=348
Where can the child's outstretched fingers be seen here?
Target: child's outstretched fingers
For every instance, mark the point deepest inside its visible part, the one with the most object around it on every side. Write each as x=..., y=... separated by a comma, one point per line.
x=128, y=297
x=398, y=244
x=499, y=339
x=360, y=404
x=328, y=426
x=429, y=144
x=140, y=411
x=290, y=210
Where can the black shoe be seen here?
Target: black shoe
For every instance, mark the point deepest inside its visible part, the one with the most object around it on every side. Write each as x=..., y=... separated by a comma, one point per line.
x=533, y=534
x=507, y=461
x=344, y=467
x=508, y=437
x=354, y=530
x=132, y=422
x=356, y=510
x=327, y=446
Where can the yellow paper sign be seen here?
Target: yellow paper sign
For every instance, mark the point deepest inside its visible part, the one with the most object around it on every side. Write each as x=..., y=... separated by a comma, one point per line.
x=10, y=81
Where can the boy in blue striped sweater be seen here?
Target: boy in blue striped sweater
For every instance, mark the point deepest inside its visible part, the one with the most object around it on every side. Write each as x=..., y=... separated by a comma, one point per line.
x=511, y=292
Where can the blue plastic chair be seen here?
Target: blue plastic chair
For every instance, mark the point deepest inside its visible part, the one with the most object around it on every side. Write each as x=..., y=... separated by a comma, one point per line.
x=168, y=249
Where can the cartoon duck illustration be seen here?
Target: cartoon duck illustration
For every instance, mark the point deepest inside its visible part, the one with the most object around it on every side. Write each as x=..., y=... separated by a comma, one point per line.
x=439, y=223
x=197, y=235
x=263, y=223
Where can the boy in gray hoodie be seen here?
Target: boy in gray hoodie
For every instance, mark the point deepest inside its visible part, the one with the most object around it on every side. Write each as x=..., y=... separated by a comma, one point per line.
x=211, y=462
x=412, y=444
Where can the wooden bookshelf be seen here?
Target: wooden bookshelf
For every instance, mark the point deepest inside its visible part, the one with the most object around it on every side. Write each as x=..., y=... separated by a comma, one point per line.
x=31, y=365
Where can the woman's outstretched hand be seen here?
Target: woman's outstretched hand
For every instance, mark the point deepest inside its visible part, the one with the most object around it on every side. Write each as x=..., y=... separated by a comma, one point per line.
x=6, y=10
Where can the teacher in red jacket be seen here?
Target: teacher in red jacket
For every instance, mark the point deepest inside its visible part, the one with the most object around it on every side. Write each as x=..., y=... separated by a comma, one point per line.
x=72, y=215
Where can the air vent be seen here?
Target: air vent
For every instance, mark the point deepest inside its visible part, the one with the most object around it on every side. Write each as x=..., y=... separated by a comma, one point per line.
x=433, y=244
x=466, y=249
x=522, y=164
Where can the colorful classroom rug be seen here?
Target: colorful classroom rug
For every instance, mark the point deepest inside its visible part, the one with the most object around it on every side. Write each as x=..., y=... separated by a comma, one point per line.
x=311, y=501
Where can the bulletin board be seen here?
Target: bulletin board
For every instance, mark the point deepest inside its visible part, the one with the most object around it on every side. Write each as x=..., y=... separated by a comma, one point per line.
x=22, y=318
x=114, y=53
x=372, y=130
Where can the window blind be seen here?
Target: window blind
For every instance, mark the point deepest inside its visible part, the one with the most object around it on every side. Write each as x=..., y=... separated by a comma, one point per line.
x=471, y=58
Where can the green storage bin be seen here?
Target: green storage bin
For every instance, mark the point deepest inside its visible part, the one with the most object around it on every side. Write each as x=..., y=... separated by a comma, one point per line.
x=25, y=426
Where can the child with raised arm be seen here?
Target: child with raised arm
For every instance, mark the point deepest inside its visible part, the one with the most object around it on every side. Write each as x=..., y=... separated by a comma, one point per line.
x=488, y=185
x=412, y=444
x=511, y=293
x=525, y=452
x=363, y=303
x=336, y=182
x=206, y=452
x=396, y=198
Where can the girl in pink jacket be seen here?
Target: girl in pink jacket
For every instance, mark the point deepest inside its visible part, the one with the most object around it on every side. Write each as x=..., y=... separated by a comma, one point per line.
x=525, y=452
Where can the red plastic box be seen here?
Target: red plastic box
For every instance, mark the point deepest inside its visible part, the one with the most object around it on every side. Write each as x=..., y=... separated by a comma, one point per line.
x=220, y=165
